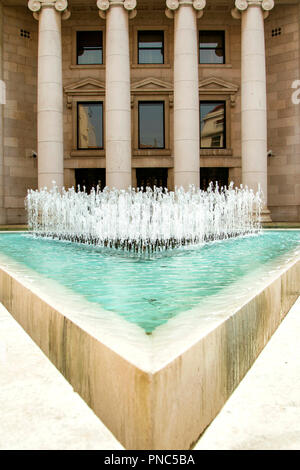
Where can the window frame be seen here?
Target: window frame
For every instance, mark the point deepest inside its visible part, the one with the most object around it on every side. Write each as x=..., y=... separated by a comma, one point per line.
x=79, y=102
x=74, y=64
x=164, y=124
x=225, y=145
x=214, y=31
x=227, y=36
x=135, y=49
x=139, y=49
x=88, y=31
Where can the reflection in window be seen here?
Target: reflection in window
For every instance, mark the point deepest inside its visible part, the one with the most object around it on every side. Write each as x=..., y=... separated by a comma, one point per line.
x=151, y=125
x=89, y=47
x=90, y=126
x=212, y=124
x=150, y=47
x=212, y=47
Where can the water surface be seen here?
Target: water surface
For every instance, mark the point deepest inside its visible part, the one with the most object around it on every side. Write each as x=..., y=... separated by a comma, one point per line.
x=148, y=291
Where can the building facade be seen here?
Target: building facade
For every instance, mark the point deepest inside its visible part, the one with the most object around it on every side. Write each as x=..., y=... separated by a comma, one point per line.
x=150, y=92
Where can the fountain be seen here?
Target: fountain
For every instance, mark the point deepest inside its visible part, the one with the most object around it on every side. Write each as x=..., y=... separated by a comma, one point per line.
x=144, y=221
x=152, y=304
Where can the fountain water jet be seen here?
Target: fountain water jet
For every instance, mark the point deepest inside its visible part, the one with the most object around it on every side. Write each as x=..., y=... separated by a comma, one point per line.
x=144, y=221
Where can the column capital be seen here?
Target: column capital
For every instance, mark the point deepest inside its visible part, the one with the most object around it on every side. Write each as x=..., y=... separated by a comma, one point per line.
x=242, y=5
x=173, y=5
x=129, y=5
x=60, y=5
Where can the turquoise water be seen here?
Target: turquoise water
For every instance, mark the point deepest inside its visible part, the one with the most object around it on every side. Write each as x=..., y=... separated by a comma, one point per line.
x=148, y=291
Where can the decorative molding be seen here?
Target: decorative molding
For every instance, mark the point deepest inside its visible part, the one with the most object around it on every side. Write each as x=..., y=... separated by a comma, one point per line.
x=173, y=5
x=129, y=5
x=242, y=5
x=217, y=86
x=60, y=5
x=151, y=86
x=86, y=88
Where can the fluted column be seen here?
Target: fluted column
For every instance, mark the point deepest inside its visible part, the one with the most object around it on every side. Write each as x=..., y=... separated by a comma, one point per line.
x=186, y=91
x=117, y=91
x=50, y=91
x=254, y=94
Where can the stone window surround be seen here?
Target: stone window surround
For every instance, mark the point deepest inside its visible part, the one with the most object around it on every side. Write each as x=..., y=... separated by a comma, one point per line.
x=74, y=64
x=134, y=50
x=136, y=99
x=225, y=98
x=77, y=124
x=226, y=30
x=219, y=101
x=139, y=127
x=86, y=152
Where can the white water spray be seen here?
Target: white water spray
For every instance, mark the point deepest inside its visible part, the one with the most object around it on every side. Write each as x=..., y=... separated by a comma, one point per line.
x=144, y=221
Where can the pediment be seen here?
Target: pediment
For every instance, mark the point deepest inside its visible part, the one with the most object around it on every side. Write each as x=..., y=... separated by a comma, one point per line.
x=217, y=85
x=151, y=85
x=87, y=86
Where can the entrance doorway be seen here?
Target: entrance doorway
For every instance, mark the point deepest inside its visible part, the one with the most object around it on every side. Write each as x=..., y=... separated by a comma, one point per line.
x=89, y=178
x=152, y=177
x=208, y=175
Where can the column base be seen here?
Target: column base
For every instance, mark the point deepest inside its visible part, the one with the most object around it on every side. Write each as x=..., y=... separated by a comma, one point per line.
x=265, y=215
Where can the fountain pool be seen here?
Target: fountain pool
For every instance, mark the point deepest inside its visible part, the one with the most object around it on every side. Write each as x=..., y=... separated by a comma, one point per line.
x=210, y=311
x=149, y=290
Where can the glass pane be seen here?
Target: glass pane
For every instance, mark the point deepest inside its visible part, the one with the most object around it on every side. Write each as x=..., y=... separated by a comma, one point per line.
x=212, y=118
x=89, y=47
x=212, y=47
x=151, y=47
x=151, y=56
x=151, y=125
x=211, y=56
x=90, y=128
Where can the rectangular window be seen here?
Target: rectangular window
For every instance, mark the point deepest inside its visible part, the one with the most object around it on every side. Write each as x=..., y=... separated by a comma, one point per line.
x=151, y=125
x=212, y=124
x=90, y=125
x=212, y=47
x=150, y=47
x=89, y=47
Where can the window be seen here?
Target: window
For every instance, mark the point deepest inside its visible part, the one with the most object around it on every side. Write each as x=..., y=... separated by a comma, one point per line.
x=89, y=47
x=151, y=125
x=212, y=124
x=150, y=47
x=89, y=125
x=150, y=177
x=212, y=47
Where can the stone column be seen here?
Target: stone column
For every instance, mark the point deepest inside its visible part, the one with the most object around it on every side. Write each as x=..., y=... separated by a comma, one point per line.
x=254, y=94
x=117, y=91
x=186, y=91
x=50, y=91
x=2, y=103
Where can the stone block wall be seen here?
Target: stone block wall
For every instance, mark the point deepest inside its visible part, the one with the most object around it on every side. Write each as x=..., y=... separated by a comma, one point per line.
x=19, y=112
x=282, y=52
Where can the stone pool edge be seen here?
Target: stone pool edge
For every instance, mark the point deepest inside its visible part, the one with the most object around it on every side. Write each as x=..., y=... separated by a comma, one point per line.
x=171, y=407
